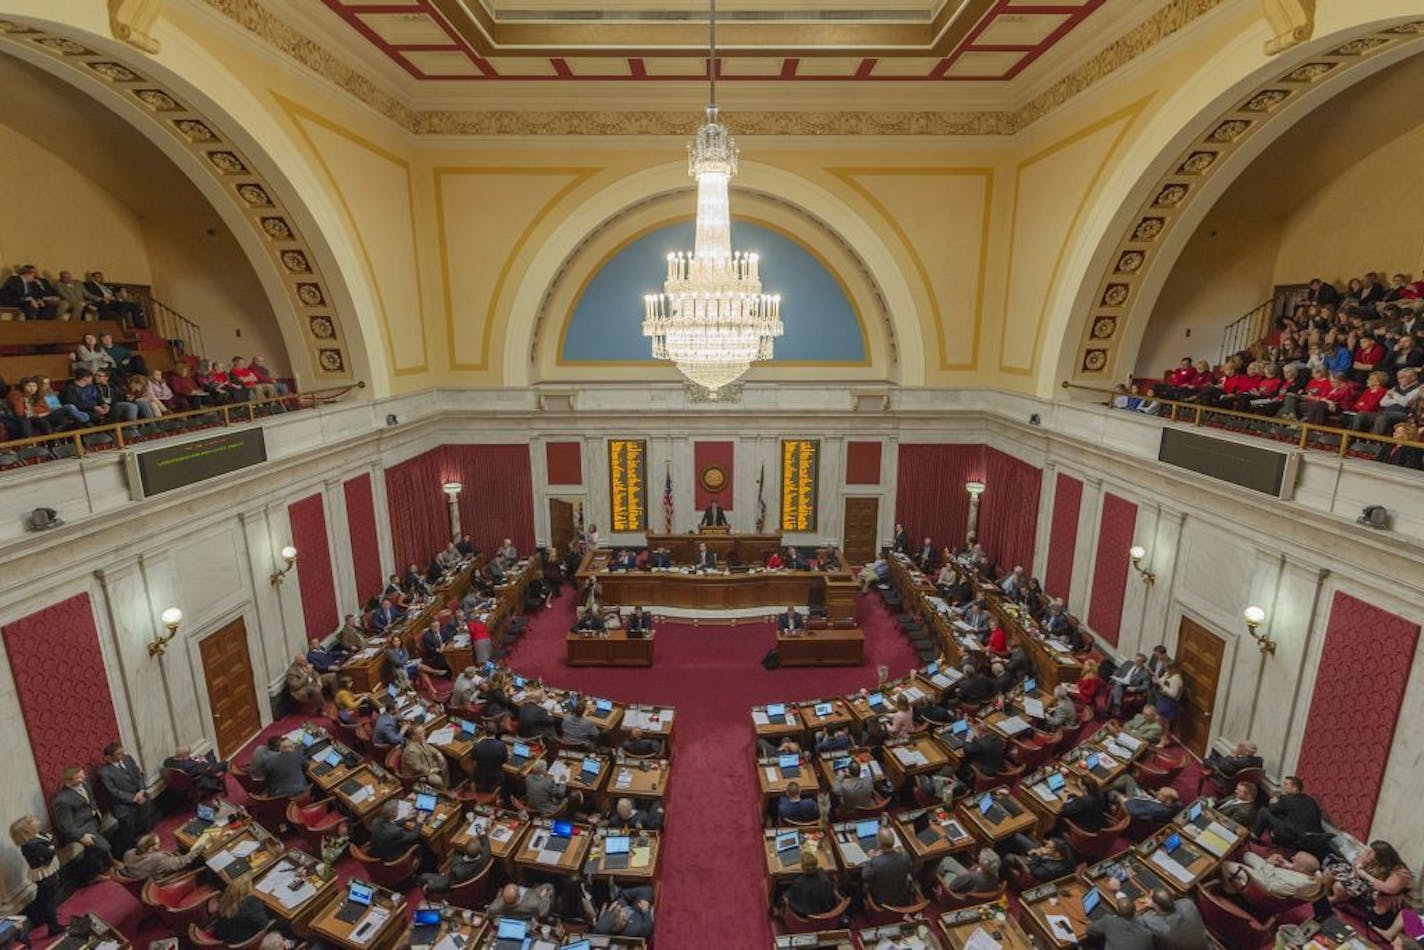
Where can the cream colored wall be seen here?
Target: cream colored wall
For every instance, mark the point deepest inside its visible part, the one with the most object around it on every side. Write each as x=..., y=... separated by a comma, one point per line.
x=57, y=219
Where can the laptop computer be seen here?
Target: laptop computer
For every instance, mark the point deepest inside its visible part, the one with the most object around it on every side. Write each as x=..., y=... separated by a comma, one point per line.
x=823, y=709
x=875, y=701
x=923, y=831
x=1056, y=781
x=425, y=929
x=603, y=705
x=1092, y=904
x=520, y=753
x=425, y=802
x=932, y=669
x=511, y=933
x=789, y=764
x=519, y=682
x=869, y=829
x=776, y=713
x=358, y=898
x=841, y=763
x=559, y=836
x=577, y=945
x=1194, y=815
x=615, y=852
x=990, y=809
x=467, y=727
x=590, y=767
x=1030, y=684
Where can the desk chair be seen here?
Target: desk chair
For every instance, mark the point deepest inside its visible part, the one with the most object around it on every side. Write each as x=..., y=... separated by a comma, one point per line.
x=392, y=763
x=270, y=811
x=952, y=900
x=1152, y=775
x=1229, y=923
x=794, y=923
x=394, y=874
x=179, y=785
x=473, y=894
x=310, y=822
x=203, y=937
x=1223, y=786
x=984, y=782
x=179, y=901
x=1095, y=845
x=792, y=822
x=878, y=915
x=873, y=810
x=1030, y=754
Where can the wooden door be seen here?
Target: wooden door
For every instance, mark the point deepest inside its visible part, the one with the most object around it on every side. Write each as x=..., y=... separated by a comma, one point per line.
x=862, y=529
x=227, y=669
x=561, y=524
x=1199, y=653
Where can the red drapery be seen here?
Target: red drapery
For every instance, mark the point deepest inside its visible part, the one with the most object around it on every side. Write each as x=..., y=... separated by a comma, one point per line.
x=1063, y=535
x=62, y=687
x=1348, y=736
x=420, y=518
x=930, y=500
x=365, y=544
x=314, y=574
x=1115, y=530
x=1008, y=509
x=498, y=498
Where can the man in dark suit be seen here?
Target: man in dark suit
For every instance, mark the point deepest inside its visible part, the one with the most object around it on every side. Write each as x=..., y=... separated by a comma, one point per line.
x=625, y=560
x=112, y=300
x=34, y=295
x=790, y=621
x=534, y=720
x=468, y=861
x=1225, y=767
x=77, y=819
x=127, y=787
x=286, y=775
x=1292, y=818
x=589, y=623
x=714, y=516
x=926, y=558
x=887, y=874
x=985, y=751
x=901, y=543
x=706, y=560
x=389, y=838
x=208, y=774
x=1241, y=806
x=639, y=624
x=489, y=755
x=794, y=561
x=1087, y=811
x=385, y=615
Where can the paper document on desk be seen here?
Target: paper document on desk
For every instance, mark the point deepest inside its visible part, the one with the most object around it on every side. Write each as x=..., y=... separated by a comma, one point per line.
x=296, y=735
x=1122, y=752
x=944, y=680
x=549, y=857
x=963, y=627
x=363, y=794
x=1013, y=725
x=1058, y=646
x=1127, y=741
x=912, y=694
x=1034, y=707
x=404, y=810
x=559, y=771
x=279, y=877
x=501, y=833
x=441, y=736
x=220, y=860
x=370, y=925
x=640, y=856
x=1215, y=839
x=853, y=853
x=625, y=779
x=1062, y=927
x=954, y=830
x=1042, y=790
x=980, y=939
x=460, y=640
x=910, y=757
x=448, y=942
x=759, y=718
x=244, y=848
x=1172, y=866
x=290, y=899
x=1107, y=761
x=107, y=945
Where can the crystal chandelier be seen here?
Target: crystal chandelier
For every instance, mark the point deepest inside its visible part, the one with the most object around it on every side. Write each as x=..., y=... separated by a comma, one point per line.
x=712, y=320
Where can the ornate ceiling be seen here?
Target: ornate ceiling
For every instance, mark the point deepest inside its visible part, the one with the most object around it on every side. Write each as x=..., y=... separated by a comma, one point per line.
x=455, y=41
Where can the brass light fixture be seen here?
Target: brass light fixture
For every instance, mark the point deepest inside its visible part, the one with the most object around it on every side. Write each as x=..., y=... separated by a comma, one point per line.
x=289, y=558
x=1137, y=552
x=1255, y=616
x=171, y=618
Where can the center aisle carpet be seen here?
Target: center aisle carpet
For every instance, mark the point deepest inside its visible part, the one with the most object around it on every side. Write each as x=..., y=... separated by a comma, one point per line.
x=712, y=866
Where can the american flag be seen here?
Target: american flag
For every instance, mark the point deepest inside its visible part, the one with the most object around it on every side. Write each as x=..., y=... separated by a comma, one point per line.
x=667, y=499
x=761, y=500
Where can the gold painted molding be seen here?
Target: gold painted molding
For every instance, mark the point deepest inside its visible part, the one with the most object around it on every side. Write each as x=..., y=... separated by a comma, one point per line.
x=268, y=27
x=131, y=20
x=1291, y=22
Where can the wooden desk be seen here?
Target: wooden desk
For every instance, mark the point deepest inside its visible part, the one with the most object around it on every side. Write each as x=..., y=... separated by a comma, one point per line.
x=1011, y=824
x=353, y=795
x=1060, y=898
x=642, y=864
x=1210, y=830
x=820, y=940
x=1044, y=801
x=367, y=669
x=576, y=777
x=771, y=590
x=1332, y=932
x=774, y=779
x=1094, y=765
x=782, y=867
x=532, y=855
x=459, y=746
x=251, y=849
x=639, y=779
x=1134, y=879
x=655, y=721
x=324, y=774
x=851, y=850
x=506, y=831
x=911, y=934
x=463, y=925
x=1196, y=861
x=824, y=647
x=826, y=764
x=959, y=927
x=272, y=887
x=943, y=834
x=325, y=923
x=740, y=548
x=1009, y=726
x=516, y=766
x=915, y=755
x=613, y=648
x=207, y=837
x=816, y=715
x=774, y=728
x=437, y=827
x=104, y=933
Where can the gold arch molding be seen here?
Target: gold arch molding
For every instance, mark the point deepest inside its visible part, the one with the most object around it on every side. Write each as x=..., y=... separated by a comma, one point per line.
x=328, y=357
x=575, y=260
x=1101, y=345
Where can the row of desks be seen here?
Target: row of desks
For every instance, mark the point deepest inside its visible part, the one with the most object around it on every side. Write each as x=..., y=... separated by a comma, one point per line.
x=953, y=930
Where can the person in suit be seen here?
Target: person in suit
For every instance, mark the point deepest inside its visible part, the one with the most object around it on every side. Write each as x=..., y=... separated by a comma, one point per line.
x=466, y=863
x=1088, y=811
x=489, y=755
x=1119, y=929
x=1292, y=817
x=41, y=857
x=304, y=681
x=72, y=301
x=432, y=651
x=590, y=623
x=31, y=293
x=111, y=300
x=986, y=751
x=835, y=739
x=794, y=560
x=624, y=560
x=1241, y=807
x=351, y=636
x=901, y=542
x=146, y=860
x=127, y=788
x=887, y=875
x=527, y=903
x=926, y=557
x=1225, y=767
x=1043, y=862
x=628, y=914
x=1174, y=922
x=981, y=877
x=262, y=757
x=790, y=621
x=544, y=794
x=578, y=727
x=812, y=891
x=389, y=837
x=705, y=559
x=385, y=615
x=1130, y=679
x=286, y=775
x=627, y=817
x=534, y=720
x=714, y=516
x=641, y=745
x=388, y=730
x=1146, y=725
x=1157, y=807
x=208, y=773
x=77, y=820
x=855, y=788
x=422, y=762
x=639, y=624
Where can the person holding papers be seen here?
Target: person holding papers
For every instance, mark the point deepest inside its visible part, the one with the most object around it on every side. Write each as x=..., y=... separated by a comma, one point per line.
x=976, y=617
x=422, y=762
x=389, y=837
x=790, y=621
x=705, y=559
x=544, y=794
x=1130, y=679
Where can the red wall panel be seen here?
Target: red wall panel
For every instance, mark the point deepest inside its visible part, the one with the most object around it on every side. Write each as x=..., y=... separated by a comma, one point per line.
x=930, y=500
x=1348, y=733
x=365, y=543
x=1063, y=535
x=1008, y=509
x=863, y=463
x=314, y=574
x=1119, y=519
x=62, y=687
x=565, y=462
x=705, y=455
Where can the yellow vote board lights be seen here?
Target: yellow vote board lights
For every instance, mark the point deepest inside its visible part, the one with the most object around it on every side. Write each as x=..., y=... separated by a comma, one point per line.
x=628, y=484
x=800, y=467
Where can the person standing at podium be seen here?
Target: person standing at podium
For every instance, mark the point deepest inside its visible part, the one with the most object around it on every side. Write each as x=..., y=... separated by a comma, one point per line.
x=714, y=516
x=794, y=561
x=706, y=560
x=790, y=622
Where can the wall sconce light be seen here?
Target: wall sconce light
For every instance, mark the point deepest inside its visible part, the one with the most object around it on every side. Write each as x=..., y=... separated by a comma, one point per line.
x=171, y=618
x=289, y=557
x=1254, y=617
x=975, y=489
x=1137, y=552
x=452, y=489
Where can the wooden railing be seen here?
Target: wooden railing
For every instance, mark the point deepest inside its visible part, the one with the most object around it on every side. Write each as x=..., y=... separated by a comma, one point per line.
x=1304, y=435
x=1247, y=330
x=80, y=442
x=177, y=329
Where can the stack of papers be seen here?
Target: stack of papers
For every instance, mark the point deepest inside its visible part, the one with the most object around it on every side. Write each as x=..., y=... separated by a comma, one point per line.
x=1042, y=790
x=1013, y=725
x=1034, y=707
x=759, y=718
x=370, y=925
x=364, y=793
x=1171, y=865
x=559, y=771
x=1128, y=741
x=244, y=848
x=624, y=779
x=910, y=756
x=640, y=856
x=1215, y=839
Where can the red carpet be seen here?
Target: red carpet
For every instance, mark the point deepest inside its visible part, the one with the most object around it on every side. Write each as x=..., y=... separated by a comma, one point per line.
x=713, y=870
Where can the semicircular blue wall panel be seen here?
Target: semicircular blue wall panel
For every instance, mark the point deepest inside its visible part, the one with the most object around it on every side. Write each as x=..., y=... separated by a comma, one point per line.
x=607, y=322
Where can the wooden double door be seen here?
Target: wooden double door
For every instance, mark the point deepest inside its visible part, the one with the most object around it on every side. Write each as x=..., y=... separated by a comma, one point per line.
x=862, y=529
x=227, y=670
x=1199, y=655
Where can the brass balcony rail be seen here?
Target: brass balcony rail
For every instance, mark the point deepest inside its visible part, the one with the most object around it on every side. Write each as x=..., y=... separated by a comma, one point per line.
x=121, y=434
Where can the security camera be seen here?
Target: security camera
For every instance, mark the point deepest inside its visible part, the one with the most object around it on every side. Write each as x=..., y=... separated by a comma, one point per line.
x=42, y=519
x=1374, y=516
x=1034, y=420
x=392, y=420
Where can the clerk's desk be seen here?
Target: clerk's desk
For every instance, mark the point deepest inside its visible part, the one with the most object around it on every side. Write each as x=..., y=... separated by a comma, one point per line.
x=738, y=548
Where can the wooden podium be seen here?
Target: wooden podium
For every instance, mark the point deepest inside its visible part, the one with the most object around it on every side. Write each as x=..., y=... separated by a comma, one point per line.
x=729, y=547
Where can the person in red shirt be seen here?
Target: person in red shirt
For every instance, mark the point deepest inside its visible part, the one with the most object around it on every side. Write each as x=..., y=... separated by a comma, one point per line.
x=998, y=643
x=773, y=561
x=1368, y=353
x=1340, y=398
x=1318, y=386
x=1179, y=382
x=1375, y=388
x=243, y=379
x=1267, y=384
x=479, y=640
x=1088, y=687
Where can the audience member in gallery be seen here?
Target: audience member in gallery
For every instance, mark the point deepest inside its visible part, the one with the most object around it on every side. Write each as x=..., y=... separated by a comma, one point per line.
x=1408, y=456
x=422, y=762
x=188, y=393
x=127, y=788
x=29, y=409
x=41, y=855
x=267, y=385
x=146, y=860
x=207, y=773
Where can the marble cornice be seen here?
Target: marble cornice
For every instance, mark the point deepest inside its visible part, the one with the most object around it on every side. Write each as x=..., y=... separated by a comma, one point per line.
x=260, y=21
